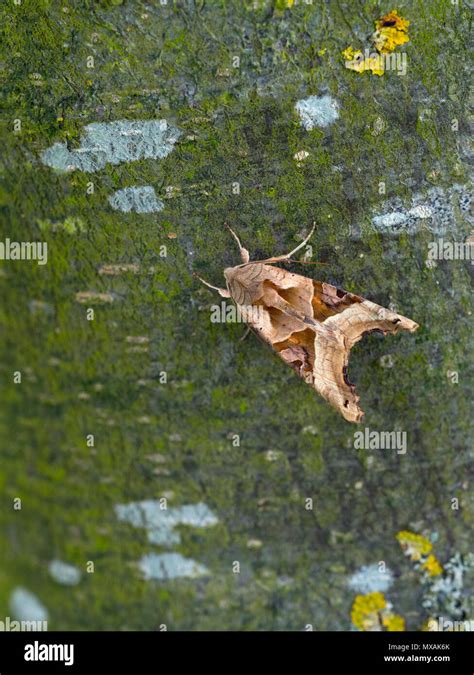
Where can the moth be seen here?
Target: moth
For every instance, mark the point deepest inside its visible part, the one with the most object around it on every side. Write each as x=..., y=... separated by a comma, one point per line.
x=310, y=324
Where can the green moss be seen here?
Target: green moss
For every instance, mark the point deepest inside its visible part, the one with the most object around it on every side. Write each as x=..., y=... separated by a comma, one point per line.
x=80, y=376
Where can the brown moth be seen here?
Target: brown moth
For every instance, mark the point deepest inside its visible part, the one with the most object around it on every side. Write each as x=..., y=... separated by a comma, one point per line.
x=310, y=324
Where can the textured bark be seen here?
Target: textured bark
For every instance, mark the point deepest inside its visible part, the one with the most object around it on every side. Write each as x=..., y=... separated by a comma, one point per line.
x=179, y=407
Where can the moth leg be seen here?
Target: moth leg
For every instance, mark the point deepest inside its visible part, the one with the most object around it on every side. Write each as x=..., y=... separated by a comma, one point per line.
x=248, y=330
x=244, y=254
x=295, y=250
x=223, y=292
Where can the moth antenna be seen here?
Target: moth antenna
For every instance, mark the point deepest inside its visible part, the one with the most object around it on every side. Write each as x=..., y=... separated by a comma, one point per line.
x=306, y=262
x=303, y=243
x=223, y=292
x=287, y=256
x=311, y=232
x=244, y=254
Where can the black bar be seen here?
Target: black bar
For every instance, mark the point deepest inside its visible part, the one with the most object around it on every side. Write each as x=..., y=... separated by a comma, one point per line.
x=152, y=652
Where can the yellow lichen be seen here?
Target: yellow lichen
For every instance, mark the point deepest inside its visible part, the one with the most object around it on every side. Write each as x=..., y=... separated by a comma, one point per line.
x=387, y=39
x=392, y=20
x=354, y=60
x=414, y=545
x=371, y=612
x=390, y=32
x=432, y=566
x=394, y=622
x=349, y=54
x=365, y=611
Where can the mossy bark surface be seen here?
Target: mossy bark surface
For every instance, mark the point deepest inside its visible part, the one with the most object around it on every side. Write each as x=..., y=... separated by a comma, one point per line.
x=231, y=427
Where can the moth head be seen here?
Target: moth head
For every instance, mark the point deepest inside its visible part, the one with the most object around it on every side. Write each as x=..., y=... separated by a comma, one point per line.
x=231, y=272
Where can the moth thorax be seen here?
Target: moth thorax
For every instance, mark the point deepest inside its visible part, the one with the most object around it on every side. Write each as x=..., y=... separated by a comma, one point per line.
x=229, y=273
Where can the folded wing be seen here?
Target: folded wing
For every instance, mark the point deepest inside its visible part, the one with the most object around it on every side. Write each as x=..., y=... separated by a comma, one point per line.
x=313, y=326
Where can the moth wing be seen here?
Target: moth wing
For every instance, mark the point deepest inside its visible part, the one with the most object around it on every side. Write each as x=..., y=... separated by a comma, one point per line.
x=319, y=347
x=320, y=357
x=272, y=301
x=330, y=375
x=250, y=283
x=312, y=326
x=350, y=319
x=353, y=315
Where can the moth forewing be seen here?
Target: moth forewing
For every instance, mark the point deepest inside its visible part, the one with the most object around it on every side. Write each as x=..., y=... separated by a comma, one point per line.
x=311, y=325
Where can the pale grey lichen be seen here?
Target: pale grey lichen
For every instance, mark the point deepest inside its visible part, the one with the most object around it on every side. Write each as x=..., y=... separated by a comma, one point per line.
x=317, y=111
x=444, y=595
x=421, y=211
x=25, y=606
x=160, y=522
x=170, y=566
x=63, y=573
x=371, y=579
x=390, y=220
x=440, y=211
x=114, y=142
x=138, y=199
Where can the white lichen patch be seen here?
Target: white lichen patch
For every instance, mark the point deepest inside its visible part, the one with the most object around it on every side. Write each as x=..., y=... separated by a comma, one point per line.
x=371, y=579
x=160, y=522
x=388, y=221
x=137, y=339
x=387, y=361
x=63, y=573
x=94, y=298
x=272, y=455
x=137, y=199
x=163, y=566
x=421, y=211
x=301, y=155
x=25, y=606
x=317, y=111
x=440, y=211
x=445, y=594
x=113, y=143
x=116, y=270
x=396, y=219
